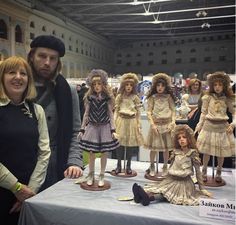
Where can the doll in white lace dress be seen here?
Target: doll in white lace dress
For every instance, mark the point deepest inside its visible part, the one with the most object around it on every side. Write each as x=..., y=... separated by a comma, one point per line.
x=215, y=133
x=161, y=116
x=178, y=186
x=127, y=120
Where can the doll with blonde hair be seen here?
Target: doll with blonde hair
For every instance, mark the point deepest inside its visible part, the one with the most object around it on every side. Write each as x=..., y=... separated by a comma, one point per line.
x=127, y=119
x=215, y=133
x=178, y=187
x=97, y=133
x=161, y=116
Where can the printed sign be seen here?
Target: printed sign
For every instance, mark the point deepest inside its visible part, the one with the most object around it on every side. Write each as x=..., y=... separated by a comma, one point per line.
x=217, y=208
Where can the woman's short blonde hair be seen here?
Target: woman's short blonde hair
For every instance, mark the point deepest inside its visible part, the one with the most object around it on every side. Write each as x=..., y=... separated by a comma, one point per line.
x=14, y=63
x=192, y=82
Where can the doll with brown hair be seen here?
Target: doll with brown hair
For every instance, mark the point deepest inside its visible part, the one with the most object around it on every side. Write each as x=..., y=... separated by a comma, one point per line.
x=215, y=133
x=127, y=120
x=161, y=116
x=97, y=133
x=178, y=187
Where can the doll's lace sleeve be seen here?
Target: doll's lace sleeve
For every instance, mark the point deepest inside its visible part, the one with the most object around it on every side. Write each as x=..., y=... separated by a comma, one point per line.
x=137, y=107
x=231, y=104
x=150, y=106
x=172, y=157
x=196, y=164
x=204, y=110
x=117, y=107
x=172, y=107
x=111, y=115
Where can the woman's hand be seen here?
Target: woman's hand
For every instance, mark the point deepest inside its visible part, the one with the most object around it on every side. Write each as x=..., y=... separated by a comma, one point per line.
x=24, y=193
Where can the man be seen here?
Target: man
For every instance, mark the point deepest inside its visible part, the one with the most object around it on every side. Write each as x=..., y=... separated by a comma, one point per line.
x=61, y=105
x=81, y=90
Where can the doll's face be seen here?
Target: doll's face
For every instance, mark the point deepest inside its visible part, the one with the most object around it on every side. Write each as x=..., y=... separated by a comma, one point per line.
x=128, y=87
x=182, y=139
x=160, y=88
x=97, y=86
x=218, y=87
x=195, y=87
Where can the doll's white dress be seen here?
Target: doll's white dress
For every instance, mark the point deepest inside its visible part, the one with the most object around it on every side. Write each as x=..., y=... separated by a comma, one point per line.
x=127, y=120
x=161, y=112
x=178, y=186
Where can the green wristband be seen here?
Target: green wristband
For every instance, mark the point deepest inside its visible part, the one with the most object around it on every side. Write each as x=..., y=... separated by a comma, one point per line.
x=17, y=187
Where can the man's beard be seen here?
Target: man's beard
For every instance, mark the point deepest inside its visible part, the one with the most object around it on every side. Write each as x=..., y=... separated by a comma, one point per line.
x=40, y=77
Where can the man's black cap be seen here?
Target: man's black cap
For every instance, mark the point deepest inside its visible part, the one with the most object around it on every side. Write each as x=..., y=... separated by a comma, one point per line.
x=49, y=41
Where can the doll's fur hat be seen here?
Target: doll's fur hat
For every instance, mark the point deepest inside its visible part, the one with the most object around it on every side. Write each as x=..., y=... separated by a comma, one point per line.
x=218, y=76
x=97, y=73
x=129, y=77
x=162, y=76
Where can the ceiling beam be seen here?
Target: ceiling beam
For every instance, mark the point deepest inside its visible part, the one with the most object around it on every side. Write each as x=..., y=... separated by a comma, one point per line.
x=152, y=13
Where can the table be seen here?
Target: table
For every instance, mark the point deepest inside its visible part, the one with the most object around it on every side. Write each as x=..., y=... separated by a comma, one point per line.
x=65, y=203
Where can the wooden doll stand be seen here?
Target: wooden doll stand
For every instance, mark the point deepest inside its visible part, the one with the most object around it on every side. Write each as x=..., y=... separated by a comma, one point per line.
x=158, y=175
x=95, y=186
x=211, y=182
x=123, y=171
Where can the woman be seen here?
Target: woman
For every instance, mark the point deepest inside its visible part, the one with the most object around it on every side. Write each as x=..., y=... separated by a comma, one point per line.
x=191, y=100
x=24, y=142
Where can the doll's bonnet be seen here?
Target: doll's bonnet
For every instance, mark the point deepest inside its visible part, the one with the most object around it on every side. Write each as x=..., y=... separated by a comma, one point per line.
x=161, y=76
x=129, y=77
x=97, y=75
x=219, y=76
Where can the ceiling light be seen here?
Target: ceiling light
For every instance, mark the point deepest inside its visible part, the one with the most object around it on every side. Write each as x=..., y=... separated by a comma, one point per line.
x=205, y=25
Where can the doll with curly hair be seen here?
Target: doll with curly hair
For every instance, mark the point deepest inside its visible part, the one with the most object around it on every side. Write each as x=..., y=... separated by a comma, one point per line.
x=161, y=116
x=127, y=120
x=215, y=133
x=178, y=187
x=97, y=133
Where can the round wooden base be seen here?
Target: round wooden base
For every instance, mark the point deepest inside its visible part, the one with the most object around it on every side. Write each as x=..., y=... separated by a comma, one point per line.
x=158, y=177
x=124, y=174
x=95, y=186
x=211, y=182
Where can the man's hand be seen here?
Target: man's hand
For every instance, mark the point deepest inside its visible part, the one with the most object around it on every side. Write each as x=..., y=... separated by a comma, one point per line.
x=73, y=172
x=24, y=193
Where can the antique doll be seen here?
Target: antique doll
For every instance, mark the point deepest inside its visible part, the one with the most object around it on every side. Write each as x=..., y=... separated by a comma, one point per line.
x=178, y=187
x=215, y=133
x=191, y=99
x=97, y=133
x=127, y=120
x=161, y=116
